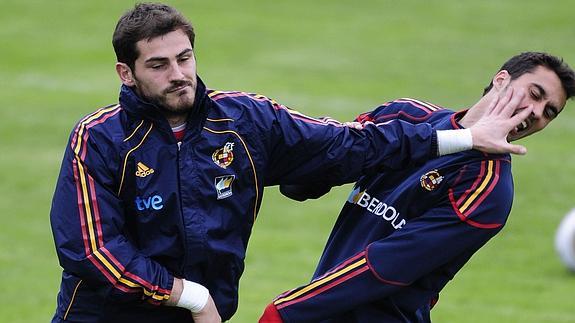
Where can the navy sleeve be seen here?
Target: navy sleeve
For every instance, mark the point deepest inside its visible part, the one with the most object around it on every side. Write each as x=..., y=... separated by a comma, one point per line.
x=307, y=150
x=388, y=117
x=87, y=219
x=479, y=203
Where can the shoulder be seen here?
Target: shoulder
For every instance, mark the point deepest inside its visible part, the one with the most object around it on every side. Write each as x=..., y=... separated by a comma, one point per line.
x=261, y=110
x=407, y=109
x=107, y=124
x=237, y=104
x=240, y=99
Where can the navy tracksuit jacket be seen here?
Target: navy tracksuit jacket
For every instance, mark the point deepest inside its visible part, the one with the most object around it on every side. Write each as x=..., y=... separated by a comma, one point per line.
x=133, y=207
x=402, y=235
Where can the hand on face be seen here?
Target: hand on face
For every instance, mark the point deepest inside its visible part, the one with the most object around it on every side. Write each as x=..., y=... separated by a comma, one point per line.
x=501, y=117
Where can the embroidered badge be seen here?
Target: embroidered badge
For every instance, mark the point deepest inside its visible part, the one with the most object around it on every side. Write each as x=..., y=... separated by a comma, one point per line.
x=431, y=180
x=223, y=157
x=143, y=170
x=223, y=185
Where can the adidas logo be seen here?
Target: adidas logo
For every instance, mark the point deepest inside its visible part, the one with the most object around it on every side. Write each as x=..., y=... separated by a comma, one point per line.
x=143, y=170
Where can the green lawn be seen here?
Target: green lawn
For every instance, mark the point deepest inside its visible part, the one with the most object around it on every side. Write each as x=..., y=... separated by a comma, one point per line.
x=336, y=58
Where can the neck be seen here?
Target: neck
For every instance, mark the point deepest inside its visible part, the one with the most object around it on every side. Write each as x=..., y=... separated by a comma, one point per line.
x=177, y=120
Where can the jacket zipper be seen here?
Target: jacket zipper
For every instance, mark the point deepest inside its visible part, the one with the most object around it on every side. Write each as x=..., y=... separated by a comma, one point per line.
x=184, y=237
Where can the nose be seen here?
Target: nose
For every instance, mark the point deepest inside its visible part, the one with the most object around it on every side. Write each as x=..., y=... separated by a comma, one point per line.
x=176, y=72
x=537, y=112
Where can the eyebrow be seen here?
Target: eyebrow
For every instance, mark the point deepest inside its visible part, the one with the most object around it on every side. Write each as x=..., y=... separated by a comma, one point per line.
x=541, y=90
x=160, y=58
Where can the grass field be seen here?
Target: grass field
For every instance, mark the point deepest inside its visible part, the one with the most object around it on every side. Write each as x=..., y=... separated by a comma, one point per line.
x=321, y=57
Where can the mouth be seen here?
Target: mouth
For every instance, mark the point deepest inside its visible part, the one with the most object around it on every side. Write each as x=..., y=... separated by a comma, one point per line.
x=522, y=126
x=179, y=87
x=521, y=129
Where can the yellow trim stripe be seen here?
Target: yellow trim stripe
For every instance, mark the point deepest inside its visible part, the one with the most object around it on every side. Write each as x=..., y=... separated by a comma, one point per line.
x=83, y=124
x=82, y=174
x=481, y=187
x=154, y=295
x=72, y=300
x=220, y=120
x=211, y=95
x=86, y=199
x=123, y=280
x=320, y=282
x=128, y=154
x=108, y=265
x=251, y=162
x=135, y=130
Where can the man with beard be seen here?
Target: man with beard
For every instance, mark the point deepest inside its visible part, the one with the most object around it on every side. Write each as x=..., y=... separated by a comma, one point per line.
x=157, y=195
x=402, y=236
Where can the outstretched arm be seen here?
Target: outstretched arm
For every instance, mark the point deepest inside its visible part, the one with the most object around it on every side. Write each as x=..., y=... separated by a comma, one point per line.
x=489, y=134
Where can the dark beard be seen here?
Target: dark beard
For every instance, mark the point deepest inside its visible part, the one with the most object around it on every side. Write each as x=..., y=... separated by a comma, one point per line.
x=169, y=111
x=160, y=101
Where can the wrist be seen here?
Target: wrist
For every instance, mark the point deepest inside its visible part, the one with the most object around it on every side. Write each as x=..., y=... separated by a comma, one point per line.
x=194, y=296
x=453, y=141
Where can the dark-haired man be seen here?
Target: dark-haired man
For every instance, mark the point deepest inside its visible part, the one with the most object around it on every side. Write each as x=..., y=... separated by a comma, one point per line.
x=401, y=236
x=157, y=195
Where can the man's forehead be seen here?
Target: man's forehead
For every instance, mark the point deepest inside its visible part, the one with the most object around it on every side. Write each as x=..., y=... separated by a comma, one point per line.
x=167, y=45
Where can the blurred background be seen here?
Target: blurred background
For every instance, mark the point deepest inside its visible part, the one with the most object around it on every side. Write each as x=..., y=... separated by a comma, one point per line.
x=336, y=58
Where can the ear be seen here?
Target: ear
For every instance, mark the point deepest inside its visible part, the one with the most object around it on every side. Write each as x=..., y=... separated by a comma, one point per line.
x=125, y=74
x=501, y=80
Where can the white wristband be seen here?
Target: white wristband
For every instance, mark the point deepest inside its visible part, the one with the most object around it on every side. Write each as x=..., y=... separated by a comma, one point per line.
x=194, y=296
x=453, y=141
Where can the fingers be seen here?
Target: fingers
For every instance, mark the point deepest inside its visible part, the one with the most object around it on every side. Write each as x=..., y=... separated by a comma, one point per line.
x=510, y=102
x=516, y=97
x=499, y=100
x=520, y=116
x=516, y=149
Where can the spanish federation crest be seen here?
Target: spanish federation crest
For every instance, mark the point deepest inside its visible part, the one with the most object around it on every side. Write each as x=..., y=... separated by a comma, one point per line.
x=223, y=157
x=431, y=180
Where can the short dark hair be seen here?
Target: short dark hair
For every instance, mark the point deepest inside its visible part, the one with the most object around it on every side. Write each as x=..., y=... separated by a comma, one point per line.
x=528, y=61
x=146, y=21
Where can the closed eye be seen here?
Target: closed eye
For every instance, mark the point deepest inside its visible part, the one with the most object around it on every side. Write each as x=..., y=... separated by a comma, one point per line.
x=550, y=112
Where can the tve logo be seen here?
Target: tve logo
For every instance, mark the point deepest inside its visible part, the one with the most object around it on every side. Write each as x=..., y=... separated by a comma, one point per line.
x=145, y=203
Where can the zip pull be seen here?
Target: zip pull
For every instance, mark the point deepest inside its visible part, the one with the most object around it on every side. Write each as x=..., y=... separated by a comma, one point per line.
x=179, y=145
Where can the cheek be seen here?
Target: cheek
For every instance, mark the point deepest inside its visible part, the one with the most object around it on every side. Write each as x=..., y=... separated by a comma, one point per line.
x=541, y=125
x=152, y=85
x=191, y=71
x=190, y=67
